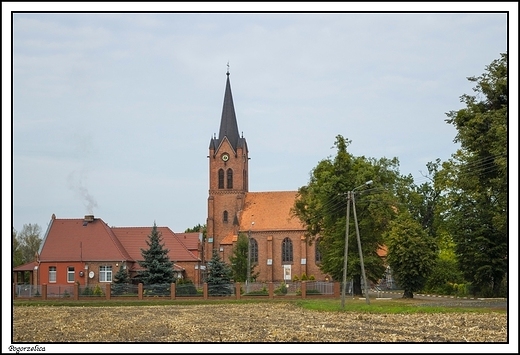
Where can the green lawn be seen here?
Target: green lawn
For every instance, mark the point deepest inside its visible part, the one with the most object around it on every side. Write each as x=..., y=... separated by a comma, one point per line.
x=394, y=306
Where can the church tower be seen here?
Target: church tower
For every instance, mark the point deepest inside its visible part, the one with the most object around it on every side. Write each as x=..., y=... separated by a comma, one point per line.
x=228, y=177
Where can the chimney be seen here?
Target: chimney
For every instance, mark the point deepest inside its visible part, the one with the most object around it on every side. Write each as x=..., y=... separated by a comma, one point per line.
x=89, y=218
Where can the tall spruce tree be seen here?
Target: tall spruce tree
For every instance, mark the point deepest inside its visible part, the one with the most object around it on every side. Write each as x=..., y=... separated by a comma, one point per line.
x=157, y=267
x=219, y=276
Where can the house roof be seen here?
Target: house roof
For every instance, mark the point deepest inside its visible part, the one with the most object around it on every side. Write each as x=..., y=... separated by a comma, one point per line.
x=190, y=240
x=269, y=211
x=134, y=239
x=26, y=267
x=77, y=239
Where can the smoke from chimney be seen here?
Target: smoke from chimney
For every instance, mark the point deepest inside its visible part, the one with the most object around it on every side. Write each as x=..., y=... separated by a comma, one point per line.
x=75, y=182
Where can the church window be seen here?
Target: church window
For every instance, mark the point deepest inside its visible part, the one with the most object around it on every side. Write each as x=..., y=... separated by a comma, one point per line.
x=317, y=250
x=229, y=179
x=254, y=251
x=221, y=179
x=287, y=250
x=225, y=217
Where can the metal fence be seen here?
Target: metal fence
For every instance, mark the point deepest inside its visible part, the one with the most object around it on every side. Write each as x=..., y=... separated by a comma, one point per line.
x=187, y=289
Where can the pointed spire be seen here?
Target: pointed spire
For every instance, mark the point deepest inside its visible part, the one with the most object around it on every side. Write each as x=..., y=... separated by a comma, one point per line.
x=228, y=122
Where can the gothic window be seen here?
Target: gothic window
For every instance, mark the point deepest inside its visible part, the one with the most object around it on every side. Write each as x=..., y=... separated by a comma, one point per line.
x=221, y=179
x=317, y=254
x=229, y=179
x=254, y=250
x=225, y=217
x=244, y=180
x=287, y=250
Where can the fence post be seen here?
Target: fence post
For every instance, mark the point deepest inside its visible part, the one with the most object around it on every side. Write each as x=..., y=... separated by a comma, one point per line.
x=271, y=290
x=172, y=290
x=205, y=290
x=44, y=291
x=304, y=289
x=76, y=291
x=336, y=288
x=108, y=290
x=237, y=290
x=14, y=290
x=140, y=291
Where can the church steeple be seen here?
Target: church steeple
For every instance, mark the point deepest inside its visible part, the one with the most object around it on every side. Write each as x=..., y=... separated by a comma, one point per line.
x=228, y=121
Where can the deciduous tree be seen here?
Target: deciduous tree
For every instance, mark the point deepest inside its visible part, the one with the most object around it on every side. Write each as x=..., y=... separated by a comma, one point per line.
x=476, y=181
x=411, y=253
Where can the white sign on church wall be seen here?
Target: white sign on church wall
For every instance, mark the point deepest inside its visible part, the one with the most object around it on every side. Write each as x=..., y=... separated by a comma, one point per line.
x=287, y=272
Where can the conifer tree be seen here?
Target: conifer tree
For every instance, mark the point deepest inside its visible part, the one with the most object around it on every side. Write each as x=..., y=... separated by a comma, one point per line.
x=121, y=281
x=122, y=276
x=219, y=276
x=158, y=269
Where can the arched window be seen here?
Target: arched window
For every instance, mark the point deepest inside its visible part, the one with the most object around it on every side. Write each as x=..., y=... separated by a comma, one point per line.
x=229, y=179
x=254, y=251
x=221, y=179
x=287, y=250
x=225, y=217
x=317, y=250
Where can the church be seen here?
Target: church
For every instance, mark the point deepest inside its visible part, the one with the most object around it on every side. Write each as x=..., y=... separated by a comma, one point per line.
x=278, y=249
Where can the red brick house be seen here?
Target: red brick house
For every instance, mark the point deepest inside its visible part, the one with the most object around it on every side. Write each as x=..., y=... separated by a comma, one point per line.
x=278, y=246
x=88, y=251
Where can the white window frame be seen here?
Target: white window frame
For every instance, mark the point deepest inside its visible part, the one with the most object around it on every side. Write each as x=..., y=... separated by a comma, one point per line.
x=52, y=274
x=70, y=274
x=105, y=273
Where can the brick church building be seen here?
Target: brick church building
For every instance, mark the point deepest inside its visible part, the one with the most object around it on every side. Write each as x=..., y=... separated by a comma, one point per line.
x=279, y=251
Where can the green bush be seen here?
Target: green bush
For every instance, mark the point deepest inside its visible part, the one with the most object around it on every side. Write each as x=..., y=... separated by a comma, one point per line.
x=97, y=291
x=281, y=290
x=185, y=288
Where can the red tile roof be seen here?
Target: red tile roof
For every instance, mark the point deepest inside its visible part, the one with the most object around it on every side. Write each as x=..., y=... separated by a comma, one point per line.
x=229, y=239
x=74, y=239
x=134, y=239
x=26, y=267
x=190, y=240
x=269, y=211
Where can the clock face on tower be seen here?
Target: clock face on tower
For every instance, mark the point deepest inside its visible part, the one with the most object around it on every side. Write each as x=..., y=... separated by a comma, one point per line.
x=225, y=157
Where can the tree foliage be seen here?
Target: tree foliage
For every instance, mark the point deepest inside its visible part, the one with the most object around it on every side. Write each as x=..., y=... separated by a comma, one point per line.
x=26, y=244
x=411, y=253
x=321, y=206
x=157, y=267
x=122, y=276
x=239, y=260
x=219, y=276
x=476, y=183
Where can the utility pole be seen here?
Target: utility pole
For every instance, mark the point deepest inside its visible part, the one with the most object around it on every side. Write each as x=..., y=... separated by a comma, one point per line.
x=345, y=255
x=360, y=251
x=350, y=196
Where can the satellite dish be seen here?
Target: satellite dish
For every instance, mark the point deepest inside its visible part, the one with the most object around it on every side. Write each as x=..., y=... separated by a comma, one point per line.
x=91, y=275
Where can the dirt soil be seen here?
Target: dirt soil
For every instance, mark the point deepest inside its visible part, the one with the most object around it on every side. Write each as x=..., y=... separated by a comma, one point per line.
x=259, y=322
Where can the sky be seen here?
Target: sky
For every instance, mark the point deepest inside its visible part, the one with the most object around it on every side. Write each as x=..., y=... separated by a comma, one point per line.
x=112, y=113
